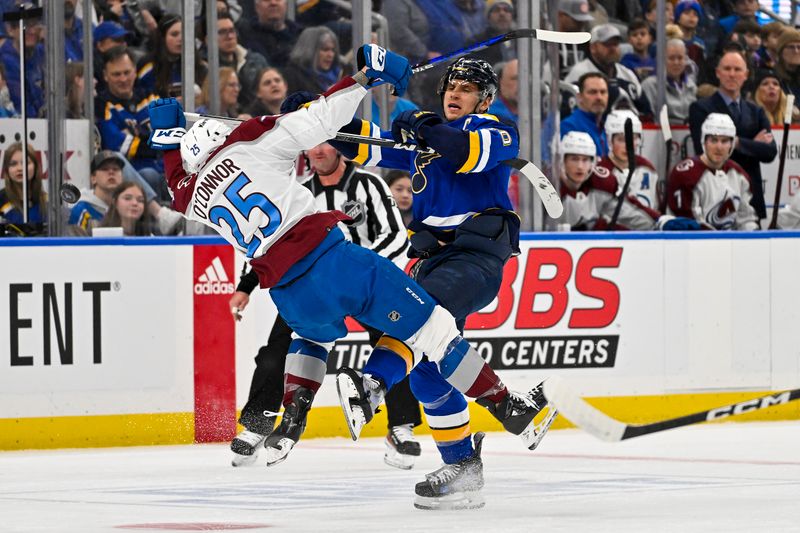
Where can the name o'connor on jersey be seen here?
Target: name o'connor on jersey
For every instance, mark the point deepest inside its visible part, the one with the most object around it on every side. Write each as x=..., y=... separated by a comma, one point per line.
x=208, y=184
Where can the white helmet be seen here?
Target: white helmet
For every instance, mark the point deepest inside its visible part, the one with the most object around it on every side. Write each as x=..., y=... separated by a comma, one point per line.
x=203, y=138
x=718, y=124
x=615, y=123
x=578, y=142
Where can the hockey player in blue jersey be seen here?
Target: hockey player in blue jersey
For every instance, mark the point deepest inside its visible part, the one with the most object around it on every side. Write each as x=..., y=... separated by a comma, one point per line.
x=463, y=231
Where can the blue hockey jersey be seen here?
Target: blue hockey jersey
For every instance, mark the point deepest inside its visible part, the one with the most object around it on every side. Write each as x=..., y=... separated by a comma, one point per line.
x=465, y=178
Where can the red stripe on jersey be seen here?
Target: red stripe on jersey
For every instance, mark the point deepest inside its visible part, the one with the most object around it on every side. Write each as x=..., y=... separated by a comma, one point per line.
x=291, y=383
x=487, y=381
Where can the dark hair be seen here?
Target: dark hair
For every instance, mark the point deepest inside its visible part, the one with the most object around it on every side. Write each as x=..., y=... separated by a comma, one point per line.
x=395, y=175
x=112, y=54
x=144, y=225
x=74, y=98
x=638, y=24
x=589, y=75
x=14, y=189
x=747, y=26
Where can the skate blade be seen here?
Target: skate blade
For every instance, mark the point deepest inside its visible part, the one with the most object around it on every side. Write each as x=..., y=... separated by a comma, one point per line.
x=535, y=432
x=279, y=451
x=354, y=415
x=243, y=460
x=398, y=460
x=452, y=502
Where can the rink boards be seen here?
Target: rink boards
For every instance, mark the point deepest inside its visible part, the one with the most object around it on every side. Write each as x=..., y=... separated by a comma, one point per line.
x=109, y=342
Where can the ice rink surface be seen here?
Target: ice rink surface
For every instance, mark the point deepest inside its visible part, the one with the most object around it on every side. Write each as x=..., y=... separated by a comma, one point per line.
x=725, y=477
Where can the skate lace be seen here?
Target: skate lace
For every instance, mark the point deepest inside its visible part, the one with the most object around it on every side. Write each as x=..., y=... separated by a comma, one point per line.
x=444, y=474
x=271, y=413
x=249, y=437
x=521, y=401
x=403, y=433
x=376, y=391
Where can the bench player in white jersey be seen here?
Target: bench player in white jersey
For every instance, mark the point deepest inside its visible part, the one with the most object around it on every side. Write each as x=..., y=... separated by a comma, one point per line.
x=590, y=196
x=645, y=177
x=712, y=188
x=242, y=183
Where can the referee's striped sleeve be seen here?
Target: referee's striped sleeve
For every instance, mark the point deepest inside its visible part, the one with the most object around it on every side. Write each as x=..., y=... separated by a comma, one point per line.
x=386, y=224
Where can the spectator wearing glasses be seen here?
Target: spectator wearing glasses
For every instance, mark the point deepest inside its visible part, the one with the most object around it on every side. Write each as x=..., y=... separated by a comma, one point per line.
x=246, y=63
x=229, y=89
x=788, y=68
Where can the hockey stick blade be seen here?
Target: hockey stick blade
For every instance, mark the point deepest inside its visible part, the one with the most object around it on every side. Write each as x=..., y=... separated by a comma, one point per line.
x=604, y=427
x=548, y=194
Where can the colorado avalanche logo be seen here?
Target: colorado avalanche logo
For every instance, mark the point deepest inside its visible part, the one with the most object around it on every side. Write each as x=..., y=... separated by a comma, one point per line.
x=685, y=165
x=355, y=210
x=723, y=214
x=602, y=172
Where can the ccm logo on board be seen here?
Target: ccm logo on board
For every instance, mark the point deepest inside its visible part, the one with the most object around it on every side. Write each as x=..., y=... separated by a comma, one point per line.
x=214, y=280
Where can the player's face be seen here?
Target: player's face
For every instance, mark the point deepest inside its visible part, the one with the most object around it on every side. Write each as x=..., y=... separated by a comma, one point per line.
x=577, y=169
x=618, y=149
x=15, y=167
x=462, y=98
x=173, y=39
x=107, y=177
x=272, y=87
x=120, y=75
x=401, y=190
x=130, y=203
x=324, y=158
x=717, y=149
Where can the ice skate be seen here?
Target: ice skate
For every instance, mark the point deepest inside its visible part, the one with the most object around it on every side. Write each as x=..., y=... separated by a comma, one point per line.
x=360, y=395
x=245, y=447
x=517, y=412
x=456, y=486
x=401, y=447
x=292, y=426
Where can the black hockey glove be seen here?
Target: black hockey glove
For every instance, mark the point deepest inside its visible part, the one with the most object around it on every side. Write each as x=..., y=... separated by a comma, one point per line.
x=294, y=101
x=407, y=127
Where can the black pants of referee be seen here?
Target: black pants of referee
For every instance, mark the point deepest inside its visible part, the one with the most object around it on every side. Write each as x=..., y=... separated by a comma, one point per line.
x=266, y=387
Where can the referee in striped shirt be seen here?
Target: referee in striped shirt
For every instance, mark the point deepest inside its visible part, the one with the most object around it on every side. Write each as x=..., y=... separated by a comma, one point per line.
x=377, y=225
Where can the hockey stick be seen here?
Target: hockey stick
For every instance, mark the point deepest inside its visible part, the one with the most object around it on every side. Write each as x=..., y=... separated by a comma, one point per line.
x=631, y=167
x=787, y=120
x=548, y=194
x=562, y=37
x=666, y=132
x=602, y=426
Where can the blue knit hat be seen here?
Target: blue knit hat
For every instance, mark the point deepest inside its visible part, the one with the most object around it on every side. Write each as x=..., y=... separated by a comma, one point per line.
x=688, y=4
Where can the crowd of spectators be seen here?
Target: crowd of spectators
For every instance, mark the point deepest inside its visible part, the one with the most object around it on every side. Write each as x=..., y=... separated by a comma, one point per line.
x=719, y=58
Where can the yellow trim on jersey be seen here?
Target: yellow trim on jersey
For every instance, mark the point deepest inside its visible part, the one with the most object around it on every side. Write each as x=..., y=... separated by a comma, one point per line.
x=452, y=434
x=489, y=116
x=146, y=68
x=399, y=348
x=363, y=149
x=474, y=153
x=85, y=218
x=308, y=5
x=134, y=146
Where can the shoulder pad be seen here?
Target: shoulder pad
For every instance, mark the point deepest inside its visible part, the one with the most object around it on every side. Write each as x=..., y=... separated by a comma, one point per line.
x=602, y=171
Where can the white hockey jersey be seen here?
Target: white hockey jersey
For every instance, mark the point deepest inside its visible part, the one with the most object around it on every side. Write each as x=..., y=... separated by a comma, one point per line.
x=643, y=181
x=720, y=198
x=247, y=190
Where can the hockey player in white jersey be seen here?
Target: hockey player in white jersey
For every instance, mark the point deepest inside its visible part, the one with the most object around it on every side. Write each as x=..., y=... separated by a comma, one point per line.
x=589, y=194
x=243, y=184
x=711, y=188
x=645, y=177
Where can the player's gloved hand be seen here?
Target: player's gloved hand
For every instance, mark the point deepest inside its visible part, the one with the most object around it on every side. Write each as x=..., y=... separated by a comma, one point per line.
x=671, y=223
x=408, y=126
x=386, y=65
x=168, y=124
x=294, y=101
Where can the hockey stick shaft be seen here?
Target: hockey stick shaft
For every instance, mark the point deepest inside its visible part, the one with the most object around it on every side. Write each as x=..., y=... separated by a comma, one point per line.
x=604, y=427
x=543, y=187
x=629, y=148
x=562, y=37
x=666, y=132
x=787, y=120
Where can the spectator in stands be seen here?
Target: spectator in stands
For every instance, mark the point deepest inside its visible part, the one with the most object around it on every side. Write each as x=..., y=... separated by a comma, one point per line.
x=640, y=61
x=743, y=10
x=770, y=96
x=711, y=188
x=6, y=105
x=73, y=33
x=106, y=35
x=123, y=121
x=588, y=117
x=399, y=182
x=232, y=54
x=159, y=72
x=11, y=199
x=229, y=88
x=681, y=89
x=604, y=55
x=270, y=34
x=137, y=20
x=34, y=67
x=75, y=84
x=409, y=33
x=770, y=35
x=748, y=33
x=270, y=91
x=651, y=15
x=499, y=20
x=753, y=142
x=788, y=68
x=127, y=211
x=507, y=100
x=624, y=10
x=453, y=23
x=573, y=15
x=314, y=61
x=688, y=15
